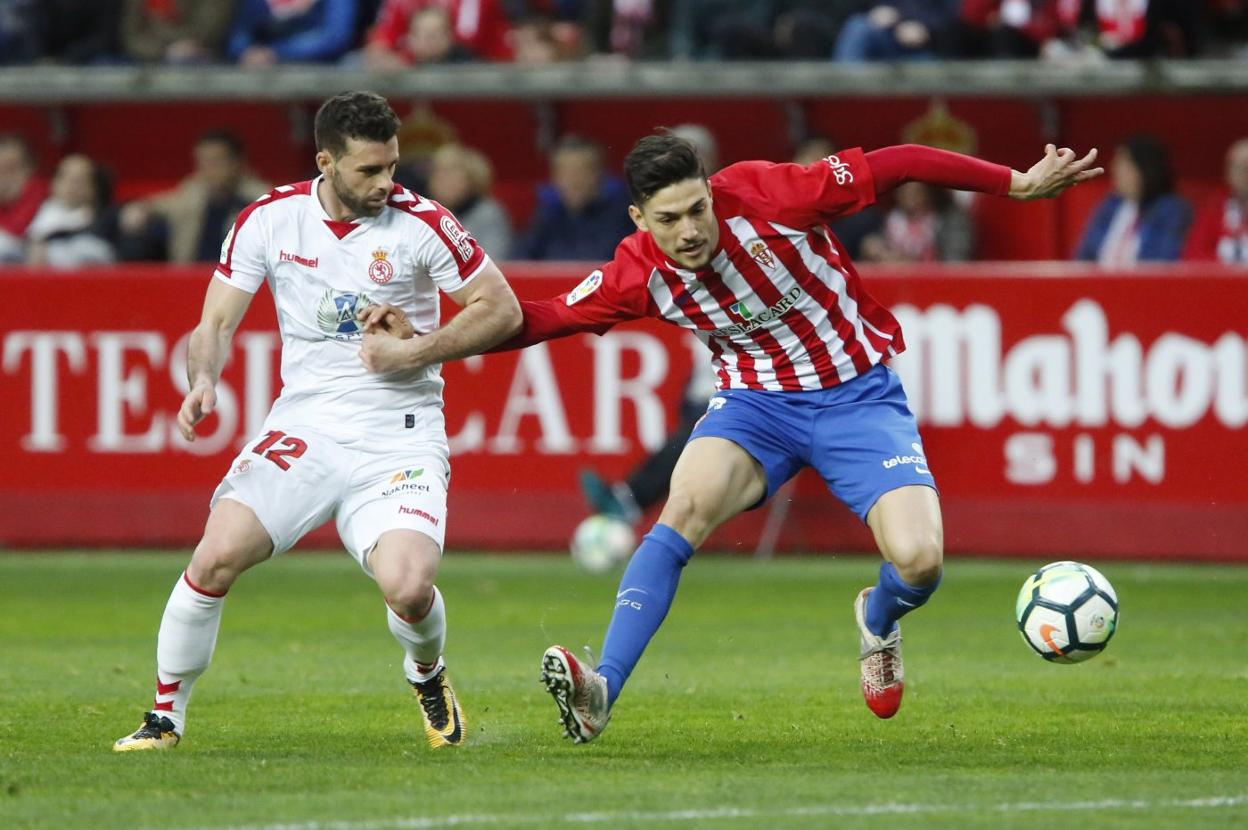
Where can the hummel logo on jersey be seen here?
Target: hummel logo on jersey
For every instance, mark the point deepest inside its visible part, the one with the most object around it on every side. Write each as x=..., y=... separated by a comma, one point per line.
x=840, y=169
x=753, y=321
x=285, y=256
x=918, y=460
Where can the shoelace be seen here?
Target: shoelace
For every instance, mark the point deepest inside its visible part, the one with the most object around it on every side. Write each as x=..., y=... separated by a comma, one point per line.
x=433, y=701
x=881, y=669
x=153, y=725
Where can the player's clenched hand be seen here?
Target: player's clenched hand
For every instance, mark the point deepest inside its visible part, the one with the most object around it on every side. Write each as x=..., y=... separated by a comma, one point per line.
x=383, y=352
x=385, y=317
x=195, y=406
x=1056, y=172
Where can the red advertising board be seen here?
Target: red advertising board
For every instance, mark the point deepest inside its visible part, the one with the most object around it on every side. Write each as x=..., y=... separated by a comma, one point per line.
x=1065, y=412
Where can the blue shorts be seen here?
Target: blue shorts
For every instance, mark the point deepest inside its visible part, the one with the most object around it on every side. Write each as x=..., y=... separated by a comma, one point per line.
x=859, y=436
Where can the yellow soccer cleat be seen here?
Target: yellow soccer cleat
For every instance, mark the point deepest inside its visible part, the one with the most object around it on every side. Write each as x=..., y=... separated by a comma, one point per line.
x=157, y=732
x=444, y=720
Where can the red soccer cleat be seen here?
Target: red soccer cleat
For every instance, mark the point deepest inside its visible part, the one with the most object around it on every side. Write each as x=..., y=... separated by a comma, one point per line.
x=880, y=661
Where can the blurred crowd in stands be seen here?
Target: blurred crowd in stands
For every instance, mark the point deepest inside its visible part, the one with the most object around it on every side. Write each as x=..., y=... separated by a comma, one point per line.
x=397, y=34
x=581, y=211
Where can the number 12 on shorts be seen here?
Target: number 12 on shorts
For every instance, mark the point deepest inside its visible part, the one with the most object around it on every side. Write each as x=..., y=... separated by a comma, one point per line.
x=291, y=448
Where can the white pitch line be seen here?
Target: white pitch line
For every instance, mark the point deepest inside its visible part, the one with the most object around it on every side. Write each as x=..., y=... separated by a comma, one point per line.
x=729, y=813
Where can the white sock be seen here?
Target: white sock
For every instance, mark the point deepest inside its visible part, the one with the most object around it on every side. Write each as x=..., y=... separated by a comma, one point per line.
x=422, y=640
x=188, y=635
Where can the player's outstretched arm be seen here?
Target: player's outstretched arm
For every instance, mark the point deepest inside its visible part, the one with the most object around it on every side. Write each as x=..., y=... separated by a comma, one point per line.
x=209, y=345
x=1058, y=171
x=489, y=315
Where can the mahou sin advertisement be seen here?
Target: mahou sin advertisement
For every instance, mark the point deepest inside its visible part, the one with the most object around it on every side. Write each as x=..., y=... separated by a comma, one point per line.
x=1064, y=411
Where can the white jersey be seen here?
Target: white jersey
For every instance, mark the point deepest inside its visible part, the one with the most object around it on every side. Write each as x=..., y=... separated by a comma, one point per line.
x=321, y=273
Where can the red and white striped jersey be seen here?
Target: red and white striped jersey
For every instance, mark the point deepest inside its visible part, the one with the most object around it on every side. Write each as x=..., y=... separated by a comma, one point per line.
x=779, y=305
x=322, y=272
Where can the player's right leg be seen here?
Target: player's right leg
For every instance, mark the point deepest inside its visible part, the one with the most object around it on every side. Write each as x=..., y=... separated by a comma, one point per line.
x=714, y=480
x=233, y=541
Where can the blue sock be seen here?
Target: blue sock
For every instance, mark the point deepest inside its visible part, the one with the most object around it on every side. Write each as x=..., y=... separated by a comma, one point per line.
x=893, y=598
x=646, y=592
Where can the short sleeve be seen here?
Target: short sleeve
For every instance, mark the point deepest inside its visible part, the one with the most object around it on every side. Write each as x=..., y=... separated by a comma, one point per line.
x=797, y=195
x=451, y=255
x=243, y=263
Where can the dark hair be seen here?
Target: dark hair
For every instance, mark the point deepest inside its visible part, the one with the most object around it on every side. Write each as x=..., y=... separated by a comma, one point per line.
x=657, y=161
x=226, y=139
x=361, y=115
x=1150, y=157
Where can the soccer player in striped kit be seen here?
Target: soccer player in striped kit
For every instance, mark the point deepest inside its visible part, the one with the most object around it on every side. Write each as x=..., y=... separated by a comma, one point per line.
x=745, y=261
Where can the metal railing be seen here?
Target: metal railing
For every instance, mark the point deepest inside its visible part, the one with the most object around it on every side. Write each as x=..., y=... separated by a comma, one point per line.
x=608, y=79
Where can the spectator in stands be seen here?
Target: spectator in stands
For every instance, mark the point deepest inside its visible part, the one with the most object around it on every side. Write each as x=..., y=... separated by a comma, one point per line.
x=77, y=32
x=19, y=40
x=541, y=39
x=762, y=29
x=1141, y=219
x=924, y=225
x=849, y=230
x=1220, y=232
x=582, y=213
x=1023, y=28
x=76, y=225
x=268, y=32
x=430, y=38
x=635, y=29
x=189, y=224
x=174, y=31
x=898, y=30
x=480, y=29
x=460, y=179
x=21, y=194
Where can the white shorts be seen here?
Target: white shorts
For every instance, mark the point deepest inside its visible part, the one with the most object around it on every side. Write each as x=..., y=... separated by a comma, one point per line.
x=295, y=481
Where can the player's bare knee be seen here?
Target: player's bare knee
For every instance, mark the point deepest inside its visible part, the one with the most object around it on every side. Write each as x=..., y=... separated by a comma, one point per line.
x=411, y=598
x=215, y=565
x=918, y=559
x=688, y=515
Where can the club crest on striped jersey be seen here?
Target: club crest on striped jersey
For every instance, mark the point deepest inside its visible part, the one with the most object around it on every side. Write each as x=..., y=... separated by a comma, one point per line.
x=762, y=255
x=588, y=286
x=380, y=270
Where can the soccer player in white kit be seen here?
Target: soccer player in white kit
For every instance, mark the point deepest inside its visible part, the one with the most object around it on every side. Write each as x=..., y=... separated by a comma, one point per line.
x=366, y=449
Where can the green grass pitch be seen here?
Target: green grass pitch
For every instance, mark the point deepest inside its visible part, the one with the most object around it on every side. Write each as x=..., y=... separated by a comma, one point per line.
x=744, y=713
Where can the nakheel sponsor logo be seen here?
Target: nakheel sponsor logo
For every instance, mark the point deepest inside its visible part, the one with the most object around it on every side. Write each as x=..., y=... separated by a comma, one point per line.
x=406, y=481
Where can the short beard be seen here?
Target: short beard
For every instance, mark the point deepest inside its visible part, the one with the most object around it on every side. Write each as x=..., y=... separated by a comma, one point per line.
x=357, y=206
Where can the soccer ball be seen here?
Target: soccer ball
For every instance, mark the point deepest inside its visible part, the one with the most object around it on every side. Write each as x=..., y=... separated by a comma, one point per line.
x=1067, y=612
x=602, y=542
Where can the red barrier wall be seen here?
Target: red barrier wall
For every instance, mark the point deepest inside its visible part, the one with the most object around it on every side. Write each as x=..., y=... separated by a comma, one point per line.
x=1065, y=412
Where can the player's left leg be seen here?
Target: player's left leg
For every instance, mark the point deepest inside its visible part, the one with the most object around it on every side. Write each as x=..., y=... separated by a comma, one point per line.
x=405, y=565
x=907, y=526
x=867, y=448
x=392, y=520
